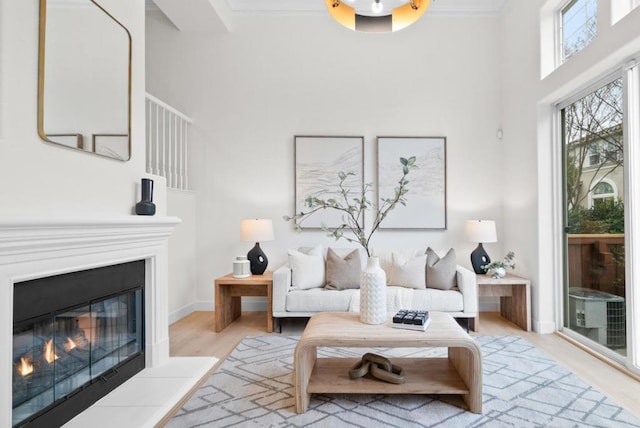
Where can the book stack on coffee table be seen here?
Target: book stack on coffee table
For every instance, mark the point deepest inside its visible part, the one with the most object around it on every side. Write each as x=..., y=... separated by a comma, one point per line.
x=411, y=319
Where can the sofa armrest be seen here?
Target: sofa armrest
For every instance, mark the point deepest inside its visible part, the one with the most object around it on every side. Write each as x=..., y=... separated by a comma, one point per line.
x=469, y=288
x=281, y=285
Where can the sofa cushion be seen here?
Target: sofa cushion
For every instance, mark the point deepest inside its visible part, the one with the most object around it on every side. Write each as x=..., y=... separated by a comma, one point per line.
x=318, y=300
x=408, y=272
x=343, y=273
x=441, y=272
x=307, y=270
x=431, y=299
x=386, y=257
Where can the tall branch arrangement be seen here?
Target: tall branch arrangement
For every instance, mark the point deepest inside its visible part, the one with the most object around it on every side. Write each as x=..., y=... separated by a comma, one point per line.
x=353, y=208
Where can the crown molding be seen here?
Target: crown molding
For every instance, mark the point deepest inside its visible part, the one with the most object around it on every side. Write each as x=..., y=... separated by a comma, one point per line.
x=288, y=7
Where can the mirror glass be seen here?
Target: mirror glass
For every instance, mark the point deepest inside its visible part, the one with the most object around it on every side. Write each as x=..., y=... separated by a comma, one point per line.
x=84, y=78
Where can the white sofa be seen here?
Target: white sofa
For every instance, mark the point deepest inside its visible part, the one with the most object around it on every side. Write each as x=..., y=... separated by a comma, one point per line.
x=461, y=301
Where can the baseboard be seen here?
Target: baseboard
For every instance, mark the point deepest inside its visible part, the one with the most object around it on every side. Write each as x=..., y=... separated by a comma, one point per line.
x=488, y=304
x=544, y=327
x=254, y=305
x=188, y=309
x=248, y=305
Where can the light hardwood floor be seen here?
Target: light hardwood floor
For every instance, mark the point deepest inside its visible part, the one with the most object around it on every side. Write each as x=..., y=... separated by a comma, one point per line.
x=194, y=335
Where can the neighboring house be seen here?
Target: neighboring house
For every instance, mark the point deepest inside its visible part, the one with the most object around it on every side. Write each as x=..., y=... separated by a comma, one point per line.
x=597, y=161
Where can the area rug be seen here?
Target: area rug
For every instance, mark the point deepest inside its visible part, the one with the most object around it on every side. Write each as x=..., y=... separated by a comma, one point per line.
x=522, y=387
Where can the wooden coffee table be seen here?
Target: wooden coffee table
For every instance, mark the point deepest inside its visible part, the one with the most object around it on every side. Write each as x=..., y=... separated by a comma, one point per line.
x=459, y=373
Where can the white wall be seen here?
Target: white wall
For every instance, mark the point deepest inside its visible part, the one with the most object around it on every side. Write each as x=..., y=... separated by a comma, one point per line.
x=520, y=91
x=41, y=179
x=250, y=91
x=182, y=254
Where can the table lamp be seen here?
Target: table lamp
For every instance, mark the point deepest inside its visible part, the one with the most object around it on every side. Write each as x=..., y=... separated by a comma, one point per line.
x=480, y=231
x=255, y=230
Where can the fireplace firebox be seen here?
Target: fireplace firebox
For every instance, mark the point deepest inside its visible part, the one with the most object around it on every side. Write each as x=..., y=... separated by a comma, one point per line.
x=76, y=337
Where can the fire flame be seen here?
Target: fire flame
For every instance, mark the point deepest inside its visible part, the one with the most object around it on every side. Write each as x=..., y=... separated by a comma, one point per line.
x=49, y=352
x=25, y=368
x=69, y=345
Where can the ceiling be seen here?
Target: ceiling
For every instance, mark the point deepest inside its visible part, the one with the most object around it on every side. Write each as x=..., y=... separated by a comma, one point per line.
x=287, y=7
x=216, y=15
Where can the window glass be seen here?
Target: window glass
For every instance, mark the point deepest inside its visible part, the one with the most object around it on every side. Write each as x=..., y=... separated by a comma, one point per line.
x=603, y=188
x=579, y=26
x=593, y=138
x=595, y=282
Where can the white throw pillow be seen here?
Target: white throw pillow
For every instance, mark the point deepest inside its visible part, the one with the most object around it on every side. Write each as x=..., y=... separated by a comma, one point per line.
x=307, y=270
x=408, y=272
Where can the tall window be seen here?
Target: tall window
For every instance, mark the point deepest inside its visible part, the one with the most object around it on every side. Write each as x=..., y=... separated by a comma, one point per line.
x=579, y=26
x=595, y=290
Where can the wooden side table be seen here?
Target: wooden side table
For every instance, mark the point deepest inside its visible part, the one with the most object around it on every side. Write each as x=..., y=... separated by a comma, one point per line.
x=515, y=297
x=228, y=294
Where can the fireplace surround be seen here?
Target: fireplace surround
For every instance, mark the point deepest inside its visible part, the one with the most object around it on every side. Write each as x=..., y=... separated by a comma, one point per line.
x=32, y=249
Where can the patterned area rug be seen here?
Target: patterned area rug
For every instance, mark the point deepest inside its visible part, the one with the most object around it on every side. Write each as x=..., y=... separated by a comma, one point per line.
x=522, y=387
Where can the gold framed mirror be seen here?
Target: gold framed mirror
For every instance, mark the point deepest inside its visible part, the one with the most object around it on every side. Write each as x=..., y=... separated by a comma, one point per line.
x=84, y=78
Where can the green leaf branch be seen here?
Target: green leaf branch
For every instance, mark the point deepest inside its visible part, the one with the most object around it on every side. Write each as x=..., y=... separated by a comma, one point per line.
x=353, y=208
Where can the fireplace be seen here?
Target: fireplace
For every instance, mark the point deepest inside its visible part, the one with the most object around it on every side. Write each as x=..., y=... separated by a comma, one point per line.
x=34, y=249
x=76, y=337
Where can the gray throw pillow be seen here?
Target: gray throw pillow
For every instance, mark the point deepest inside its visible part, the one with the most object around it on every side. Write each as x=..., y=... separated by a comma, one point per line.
x=343, y=273
x=441, y=272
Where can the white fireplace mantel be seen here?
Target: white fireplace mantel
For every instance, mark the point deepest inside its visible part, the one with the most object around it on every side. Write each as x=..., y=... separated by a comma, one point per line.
x=37, y=248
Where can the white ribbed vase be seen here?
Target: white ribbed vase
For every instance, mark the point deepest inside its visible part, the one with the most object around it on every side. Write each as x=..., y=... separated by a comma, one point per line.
x=373, y=293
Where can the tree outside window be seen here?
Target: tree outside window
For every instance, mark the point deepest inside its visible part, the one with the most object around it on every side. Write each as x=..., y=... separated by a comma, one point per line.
x=579, y=26
x=594, y=157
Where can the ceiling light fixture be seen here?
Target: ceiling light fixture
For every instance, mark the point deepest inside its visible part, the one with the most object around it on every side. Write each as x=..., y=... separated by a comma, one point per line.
x=361, y=20
x=376, y=7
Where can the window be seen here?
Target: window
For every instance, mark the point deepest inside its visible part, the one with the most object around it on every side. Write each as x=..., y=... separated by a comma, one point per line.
x=603, y=194
x=594, y=278
x=594, y=155
x=605, y=152
x=579, y=26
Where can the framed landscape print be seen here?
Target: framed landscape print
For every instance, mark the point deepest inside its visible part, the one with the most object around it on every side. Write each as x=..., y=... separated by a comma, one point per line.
x=318, y=161
x=427, y=196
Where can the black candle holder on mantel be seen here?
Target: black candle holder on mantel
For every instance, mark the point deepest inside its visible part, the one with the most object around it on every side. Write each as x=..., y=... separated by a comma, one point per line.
x=146, y=205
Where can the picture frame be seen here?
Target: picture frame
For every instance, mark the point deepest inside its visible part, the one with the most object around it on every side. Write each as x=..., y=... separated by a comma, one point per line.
x=426, y=201
x=318, y=161
x=111, y=145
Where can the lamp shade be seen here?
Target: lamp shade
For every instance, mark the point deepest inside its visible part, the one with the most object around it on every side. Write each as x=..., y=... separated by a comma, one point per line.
x=256, y=230
x=480, y=231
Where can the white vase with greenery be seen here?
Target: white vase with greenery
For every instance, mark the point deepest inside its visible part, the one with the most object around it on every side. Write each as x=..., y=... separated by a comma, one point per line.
x=373, y=282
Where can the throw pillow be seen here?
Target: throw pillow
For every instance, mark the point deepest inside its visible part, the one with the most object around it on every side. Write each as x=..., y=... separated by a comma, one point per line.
x=343, y=273
x=408, y=272
x=441, y=272
x=307, y=270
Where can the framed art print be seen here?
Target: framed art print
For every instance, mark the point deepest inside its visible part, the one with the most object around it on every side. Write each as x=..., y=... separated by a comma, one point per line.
x=318, y=161
x=426, y=200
